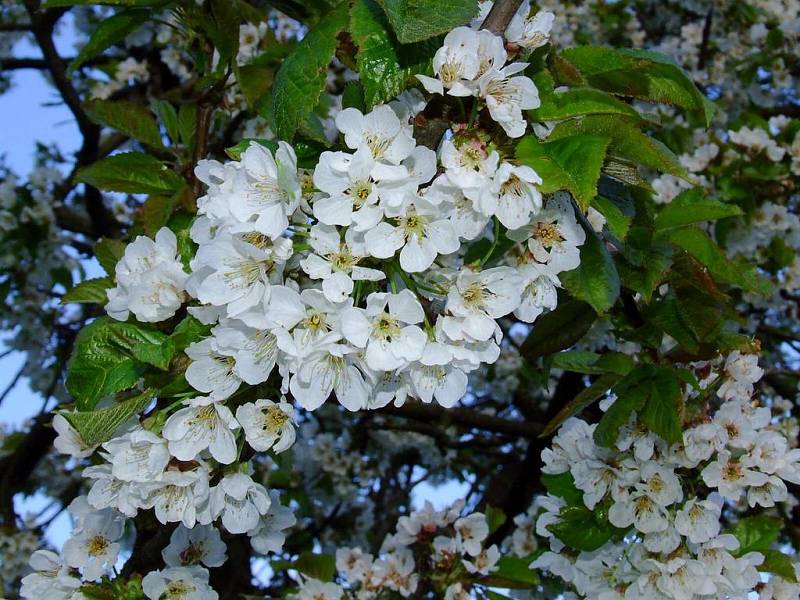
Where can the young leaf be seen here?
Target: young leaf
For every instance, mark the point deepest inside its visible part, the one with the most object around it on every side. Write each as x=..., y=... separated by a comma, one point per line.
x=512, y=572
x=417, y=20
x=97, y=426
x=110, y=356
x=131, y=172
x=318, y=566
x=563, y=486
x=582, y=529
x=384, y=66
x=301, y=78
x=654, y=393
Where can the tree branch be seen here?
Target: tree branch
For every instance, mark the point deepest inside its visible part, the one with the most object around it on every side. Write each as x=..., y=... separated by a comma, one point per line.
x=500, y=15
x=466, y=417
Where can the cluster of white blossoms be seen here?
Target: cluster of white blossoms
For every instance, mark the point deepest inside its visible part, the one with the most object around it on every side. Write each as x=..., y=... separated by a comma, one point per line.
x=170, y=473
x=472, y=62
x=667, y=501
x=372, y=277
x=353, y=278
x=450, y=546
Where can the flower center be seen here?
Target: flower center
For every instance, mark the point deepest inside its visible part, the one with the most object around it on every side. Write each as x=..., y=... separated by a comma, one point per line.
x=414, y=224
x=274, y=419
x=97, y=545
x=385, y=326
x=343, y=260
x=548, y=234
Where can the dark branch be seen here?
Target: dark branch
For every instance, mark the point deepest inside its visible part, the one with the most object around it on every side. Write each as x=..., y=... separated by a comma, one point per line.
x=466, y=417
x=500, y=15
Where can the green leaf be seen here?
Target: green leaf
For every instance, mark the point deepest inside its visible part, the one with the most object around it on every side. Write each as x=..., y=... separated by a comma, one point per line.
x=697, y=243
x=691, y=206
x=661, y=413
x=617, y=221
x=573, y=102
x=779, y=563
x=111, y=356
x=584, y=361
x=134, y=120
x=187, y=124
x=595, y=280
x=255, y=81
x=155, y=212
x=384, y=66
x=131, y=172
x=169, y=118
x=558, y=329
x=586, y=397
x=582, y=529
x=89, y=291
x=187, y=332
x=301, y=78
x=235, y=152
x=108, y=32
x=571, y=163
x=653, y=392
x=318, y=566
x=417, y=20
x=353, y=96
x=563, y=486
x=495, y=517
x=108, y=251
x=98, y=426
x=756, y=533
x=626, y=141
x=61, y=3
x=223, y=30
x=512, y=572
x=638, y=74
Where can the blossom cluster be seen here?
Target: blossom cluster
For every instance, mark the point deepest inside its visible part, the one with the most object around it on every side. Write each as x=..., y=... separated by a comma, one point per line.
x=672, y=543
x=353, y=278
x=450, y=545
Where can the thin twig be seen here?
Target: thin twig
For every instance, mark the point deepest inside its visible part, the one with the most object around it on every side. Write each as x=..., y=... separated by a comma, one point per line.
x=12, y=385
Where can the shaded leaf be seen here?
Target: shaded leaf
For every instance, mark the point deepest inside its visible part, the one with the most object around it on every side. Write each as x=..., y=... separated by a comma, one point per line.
x=594, y=392
x=134, y=120
x=558, y=329
x=89, y=291
x=108, y=32
x=131, y=172
x=595, y=280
